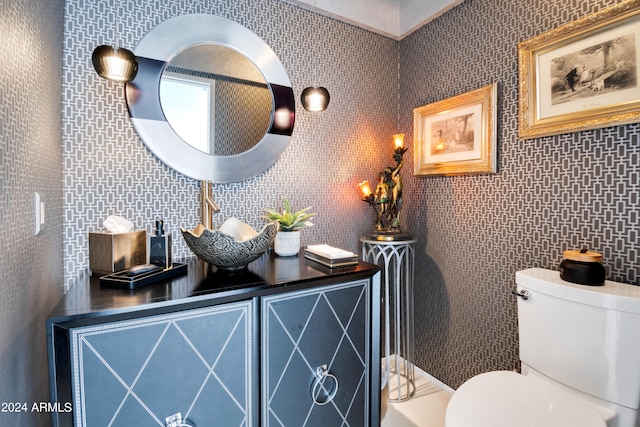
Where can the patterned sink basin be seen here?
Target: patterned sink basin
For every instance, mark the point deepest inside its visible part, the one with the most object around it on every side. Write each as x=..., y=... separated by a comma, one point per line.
x=224, y=250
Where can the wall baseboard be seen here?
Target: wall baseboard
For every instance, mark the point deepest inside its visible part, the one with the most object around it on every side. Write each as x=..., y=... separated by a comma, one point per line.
x=430, y=378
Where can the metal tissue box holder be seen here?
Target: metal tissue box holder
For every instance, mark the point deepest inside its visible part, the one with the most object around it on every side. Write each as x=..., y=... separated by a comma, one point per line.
x=111, y=252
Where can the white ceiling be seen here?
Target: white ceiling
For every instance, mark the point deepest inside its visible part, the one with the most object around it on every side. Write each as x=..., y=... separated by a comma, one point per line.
x=391, y=18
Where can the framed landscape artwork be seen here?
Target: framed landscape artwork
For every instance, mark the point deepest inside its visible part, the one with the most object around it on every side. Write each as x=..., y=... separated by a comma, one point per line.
x=583, y=75
x=456, y=135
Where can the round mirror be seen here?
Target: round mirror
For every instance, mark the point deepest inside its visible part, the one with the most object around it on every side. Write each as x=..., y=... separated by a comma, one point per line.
x=211, y=99
x=215, y=99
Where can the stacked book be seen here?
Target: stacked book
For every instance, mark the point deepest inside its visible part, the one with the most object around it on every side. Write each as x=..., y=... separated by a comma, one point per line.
x=330, y=256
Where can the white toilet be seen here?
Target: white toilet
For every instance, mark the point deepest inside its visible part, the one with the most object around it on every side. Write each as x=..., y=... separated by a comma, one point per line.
x=580, y=354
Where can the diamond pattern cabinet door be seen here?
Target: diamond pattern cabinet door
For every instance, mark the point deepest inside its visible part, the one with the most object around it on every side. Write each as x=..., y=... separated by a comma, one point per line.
x=304, y=330
x=139, y=372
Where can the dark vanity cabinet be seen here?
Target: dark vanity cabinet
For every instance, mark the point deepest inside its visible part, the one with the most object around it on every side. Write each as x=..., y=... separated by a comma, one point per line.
x=316, y=357
x=138, y=372
x=285, y=342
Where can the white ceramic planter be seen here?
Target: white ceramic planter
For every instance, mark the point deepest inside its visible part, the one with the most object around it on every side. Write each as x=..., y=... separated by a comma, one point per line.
x=287, y=243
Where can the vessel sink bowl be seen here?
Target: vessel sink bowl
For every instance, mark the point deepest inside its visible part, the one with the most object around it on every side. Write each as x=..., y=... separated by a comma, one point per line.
x=224, y=250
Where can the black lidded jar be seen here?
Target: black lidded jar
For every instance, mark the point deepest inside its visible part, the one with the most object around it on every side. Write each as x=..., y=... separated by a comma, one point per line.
x=582, y=267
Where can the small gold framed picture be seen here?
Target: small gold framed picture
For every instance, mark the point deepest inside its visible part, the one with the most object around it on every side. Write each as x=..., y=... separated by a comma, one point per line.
x=456, y=135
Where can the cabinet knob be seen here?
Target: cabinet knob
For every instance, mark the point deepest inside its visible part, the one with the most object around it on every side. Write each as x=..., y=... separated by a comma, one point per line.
x=322, y=373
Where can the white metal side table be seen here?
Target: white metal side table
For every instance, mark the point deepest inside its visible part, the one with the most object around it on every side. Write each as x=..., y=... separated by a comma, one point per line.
x=396, y=256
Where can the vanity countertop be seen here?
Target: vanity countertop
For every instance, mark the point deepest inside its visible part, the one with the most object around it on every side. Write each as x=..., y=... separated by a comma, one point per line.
x=200, y=286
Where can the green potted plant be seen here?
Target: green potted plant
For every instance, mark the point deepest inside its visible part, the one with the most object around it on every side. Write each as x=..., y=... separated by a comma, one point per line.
x=287, y=240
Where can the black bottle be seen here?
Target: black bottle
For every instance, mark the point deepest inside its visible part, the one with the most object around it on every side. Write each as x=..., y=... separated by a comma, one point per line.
x=160, y=247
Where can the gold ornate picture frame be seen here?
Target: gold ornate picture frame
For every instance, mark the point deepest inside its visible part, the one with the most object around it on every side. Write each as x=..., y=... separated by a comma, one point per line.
x=457, y=135
x=582, y=75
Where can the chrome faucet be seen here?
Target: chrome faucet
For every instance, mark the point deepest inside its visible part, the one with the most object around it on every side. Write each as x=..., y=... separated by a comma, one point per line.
x=208, y=206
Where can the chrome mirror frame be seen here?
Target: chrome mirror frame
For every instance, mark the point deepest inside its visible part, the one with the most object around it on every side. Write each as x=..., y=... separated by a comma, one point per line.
x=154, y=52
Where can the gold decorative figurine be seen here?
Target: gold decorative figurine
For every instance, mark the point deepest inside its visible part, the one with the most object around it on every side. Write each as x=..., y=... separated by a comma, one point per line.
x=387, y=197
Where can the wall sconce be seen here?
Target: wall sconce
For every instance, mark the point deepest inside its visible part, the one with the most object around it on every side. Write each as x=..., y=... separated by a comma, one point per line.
x=114, y=63
x=315, y=99
x=387, y=196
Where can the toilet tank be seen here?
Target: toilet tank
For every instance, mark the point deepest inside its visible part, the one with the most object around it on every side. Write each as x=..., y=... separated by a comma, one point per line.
x=585, y=337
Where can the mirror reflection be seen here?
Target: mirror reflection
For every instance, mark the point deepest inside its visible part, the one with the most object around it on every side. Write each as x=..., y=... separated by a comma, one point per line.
x=216, y=99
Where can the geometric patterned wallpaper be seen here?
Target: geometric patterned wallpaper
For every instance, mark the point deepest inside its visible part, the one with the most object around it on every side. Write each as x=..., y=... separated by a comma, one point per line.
x=108, y=170
x=550, y=194
x=30, y=161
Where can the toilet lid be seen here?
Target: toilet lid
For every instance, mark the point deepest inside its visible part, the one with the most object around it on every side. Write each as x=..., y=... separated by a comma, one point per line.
x=508, y=399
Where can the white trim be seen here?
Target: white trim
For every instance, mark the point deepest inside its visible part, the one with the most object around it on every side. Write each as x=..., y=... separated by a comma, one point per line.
x=419, y=372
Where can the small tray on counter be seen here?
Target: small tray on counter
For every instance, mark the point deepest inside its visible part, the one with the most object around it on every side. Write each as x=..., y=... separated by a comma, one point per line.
x=123, y=280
